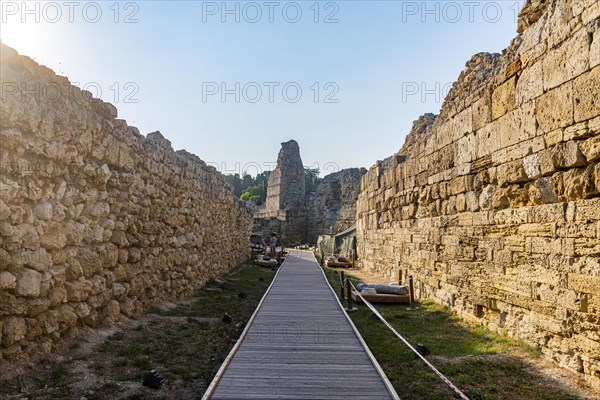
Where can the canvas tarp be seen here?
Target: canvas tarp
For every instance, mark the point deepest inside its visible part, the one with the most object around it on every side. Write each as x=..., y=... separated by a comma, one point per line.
x=340, y=244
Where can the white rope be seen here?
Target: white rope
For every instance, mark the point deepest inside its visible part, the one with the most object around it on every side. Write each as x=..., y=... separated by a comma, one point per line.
x=438, y=373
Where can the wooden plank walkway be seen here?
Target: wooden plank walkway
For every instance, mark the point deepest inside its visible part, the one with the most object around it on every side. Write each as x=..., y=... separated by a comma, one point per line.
x=300, y=345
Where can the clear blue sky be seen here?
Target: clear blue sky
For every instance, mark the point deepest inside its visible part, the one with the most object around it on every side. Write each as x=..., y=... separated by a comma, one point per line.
x=385, y=62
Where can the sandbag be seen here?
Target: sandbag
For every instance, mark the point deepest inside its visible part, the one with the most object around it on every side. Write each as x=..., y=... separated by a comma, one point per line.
x=368, y=291
x=384, y=289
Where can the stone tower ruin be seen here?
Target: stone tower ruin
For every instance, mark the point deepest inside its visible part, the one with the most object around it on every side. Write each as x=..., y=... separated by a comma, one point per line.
x=286, y=182
x=299, y=217
x=285, y=209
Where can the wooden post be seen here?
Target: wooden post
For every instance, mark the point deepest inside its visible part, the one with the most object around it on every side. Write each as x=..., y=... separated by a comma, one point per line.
x=342, y=284
x=349, y=293
x=399, y=277
x=411, y=290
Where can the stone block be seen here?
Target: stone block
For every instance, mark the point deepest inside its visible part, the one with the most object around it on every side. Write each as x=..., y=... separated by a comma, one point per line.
x=557, y=28
x=488, y=141
x=577, y=131
x=546, y=162
x=585, y=95
x=595, y=50
x=4, y=210
x=53, y=236
x=574, y=184
x=554, y=109
x=104, y=109
x=28, y=283
x=7, y=280
x=590, y=148
x=567, y=61
x=591, y=13
x=78, y=290
x=37, y=306
x=57, y=296
x=13, y=330
x=517, y=126
x=43, y=211
x=503, y=98
x=543, y=192
x=587, y=210
x=596, y=169
x=567, y=155
x=39, y=259
x=485, y=198
x=466, y=149
x=66, y=317
x=554, y=137
x=481, y=112
x=530, y=84
x=531, y=166
x=111, y=312
x=584, y=283
x=512, y=172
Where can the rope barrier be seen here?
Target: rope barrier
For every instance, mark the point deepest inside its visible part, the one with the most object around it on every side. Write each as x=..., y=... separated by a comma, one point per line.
x=438, y=373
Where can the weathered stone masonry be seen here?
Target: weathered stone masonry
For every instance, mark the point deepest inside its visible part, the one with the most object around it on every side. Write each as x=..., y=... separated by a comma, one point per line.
x=333, y=205
x=301, y=217
x=494, y=205
x=95, y=219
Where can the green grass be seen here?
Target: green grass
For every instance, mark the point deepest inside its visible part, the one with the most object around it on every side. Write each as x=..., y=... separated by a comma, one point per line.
x=485, y=365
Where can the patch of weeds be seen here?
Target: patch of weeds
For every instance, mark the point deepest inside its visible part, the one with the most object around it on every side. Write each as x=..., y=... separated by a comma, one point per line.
x=120, y=362
x=142, y=362
x=80, y=357
x=98, y=367
x=117, y=336
x=75, y=346
x=59, y=372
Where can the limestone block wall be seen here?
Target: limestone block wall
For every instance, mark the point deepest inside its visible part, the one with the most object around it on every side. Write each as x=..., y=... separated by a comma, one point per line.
x=96, y=220
x=494, y=205
x=333, y=204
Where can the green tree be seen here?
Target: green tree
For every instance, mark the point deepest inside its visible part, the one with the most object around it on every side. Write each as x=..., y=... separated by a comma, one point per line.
x=311, y=179
x=236, y=182
x=249, y=188
x=253, y=194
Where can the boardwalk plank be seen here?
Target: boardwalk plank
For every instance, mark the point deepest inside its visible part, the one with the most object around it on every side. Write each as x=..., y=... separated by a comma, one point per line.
x=300, y=345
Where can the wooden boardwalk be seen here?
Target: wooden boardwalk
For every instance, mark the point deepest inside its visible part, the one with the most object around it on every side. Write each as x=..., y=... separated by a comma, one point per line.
x=300, y=345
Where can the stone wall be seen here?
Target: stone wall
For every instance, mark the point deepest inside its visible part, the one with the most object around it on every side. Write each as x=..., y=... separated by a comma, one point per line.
x=494, y=205
x=96, y=220
x=333, y=204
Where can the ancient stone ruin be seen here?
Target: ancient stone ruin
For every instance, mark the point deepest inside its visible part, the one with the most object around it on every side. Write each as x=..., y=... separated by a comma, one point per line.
x=285, y=208
x=494, y=205
x=299, y=217
x=96, y=220
x=333, y=205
